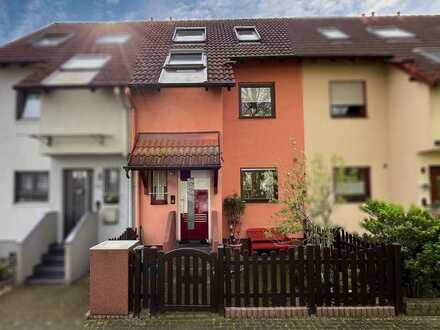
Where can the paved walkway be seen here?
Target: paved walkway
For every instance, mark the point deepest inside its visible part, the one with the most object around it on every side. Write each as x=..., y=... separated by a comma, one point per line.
x=206, y=321
x=45, y=307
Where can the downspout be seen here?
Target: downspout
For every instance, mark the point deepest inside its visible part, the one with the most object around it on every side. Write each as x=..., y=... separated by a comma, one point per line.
x=128, y=129
x=133, y=186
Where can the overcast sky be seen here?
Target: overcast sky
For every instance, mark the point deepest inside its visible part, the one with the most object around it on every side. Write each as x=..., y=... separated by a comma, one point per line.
x=19, y=17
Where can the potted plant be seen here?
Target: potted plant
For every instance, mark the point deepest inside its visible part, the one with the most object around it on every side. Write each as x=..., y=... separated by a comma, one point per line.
x=233, y=208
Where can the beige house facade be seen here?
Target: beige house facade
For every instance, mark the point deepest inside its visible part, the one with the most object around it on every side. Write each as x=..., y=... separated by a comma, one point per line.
x=395, y=139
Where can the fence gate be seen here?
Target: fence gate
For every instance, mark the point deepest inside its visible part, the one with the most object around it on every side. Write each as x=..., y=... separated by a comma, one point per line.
x=186, y=280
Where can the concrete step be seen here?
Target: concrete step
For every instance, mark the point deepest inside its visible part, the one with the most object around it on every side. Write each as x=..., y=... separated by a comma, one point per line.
x=49, y=259
x=56, y=249
x=43, y=270
x=45, y=280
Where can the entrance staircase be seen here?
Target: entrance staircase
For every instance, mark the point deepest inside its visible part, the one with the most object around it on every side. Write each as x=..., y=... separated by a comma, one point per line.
x=51, y=268
x=205, y=247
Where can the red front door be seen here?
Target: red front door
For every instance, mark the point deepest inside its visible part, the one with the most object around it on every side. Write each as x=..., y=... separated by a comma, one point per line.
x=200, y=231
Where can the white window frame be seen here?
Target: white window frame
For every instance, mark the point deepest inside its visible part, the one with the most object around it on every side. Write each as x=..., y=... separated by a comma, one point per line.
x=38, y=40
x=326, y=31
x=427, y=52
x=240, y=38
x=376, y=30
x=176, y=38
x=200, y=65
x=106, y=39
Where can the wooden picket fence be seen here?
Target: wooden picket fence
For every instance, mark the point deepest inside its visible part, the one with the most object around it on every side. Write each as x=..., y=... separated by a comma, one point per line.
x=188, y=279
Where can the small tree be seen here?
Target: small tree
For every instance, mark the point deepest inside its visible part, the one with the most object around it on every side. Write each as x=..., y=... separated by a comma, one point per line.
x=308, y=198
x=233, y=207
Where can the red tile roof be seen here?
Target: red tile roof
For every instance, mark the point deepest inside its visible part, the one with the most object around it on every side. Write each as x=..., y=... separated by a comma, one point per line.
x=221, y=46
x=140, y=60
x=176, y=150
x=83, y=41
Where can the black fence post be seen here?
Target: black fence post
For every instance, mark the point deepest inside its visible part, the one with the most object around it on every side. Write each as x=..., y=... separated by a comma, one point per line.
x=153, y=278
x=397, y=278
x=220, y=277
x=137, y=258
x=310, y=279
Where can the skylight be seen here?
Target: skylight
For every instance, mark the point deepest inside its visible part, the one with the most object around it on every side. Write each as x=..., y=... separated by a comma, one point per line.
x=51, y=39
x=247, y=33
x=189, y=34
x=79, y=70
x=184, y=66
x=432, y=54
x=185, y=59
x=113, y=39
x=333, y=33
x=390, y=32
x=86, y=62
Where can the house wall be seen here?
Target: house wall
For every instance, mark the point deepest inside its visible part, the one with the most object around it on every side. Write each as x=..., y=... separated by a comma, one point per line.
x=97, y=164
x=76, y=114
x=358, y=141
x=262, y=142
x=17, y=152
x=174, y=110
x=409, y=133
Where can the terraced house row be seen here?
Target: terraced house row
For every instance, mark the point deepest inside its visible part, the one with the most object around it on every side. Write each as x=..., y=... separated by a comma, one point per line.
x=152, y=124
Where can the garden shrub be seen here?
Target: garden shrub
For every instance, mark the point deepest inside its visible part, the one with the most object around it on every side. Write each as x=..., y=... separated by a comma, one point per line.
x=418, y=232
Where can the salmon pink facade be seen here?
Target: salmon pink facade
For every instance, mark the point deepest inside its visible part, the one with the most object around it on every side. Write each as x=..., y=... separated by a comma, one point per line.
x=244, y=143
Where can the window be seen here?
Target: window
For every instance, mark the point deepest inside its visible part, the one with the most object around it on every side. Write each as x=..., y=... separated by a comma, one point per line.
x=113, y=39
x=111, y=185
x=333, y=33
x=432, y=54
x=184, y=66
x=355, y=186
x=185, y=59
x=85, y=62
x=348, y=99
x=159, y=187
x=31, y=187
x=259, y=185
x=79, y=70
x=390, y=32
x=51, y=39
x=28, y=105
x=247, y=33
x=189, y=34
x=257, y=100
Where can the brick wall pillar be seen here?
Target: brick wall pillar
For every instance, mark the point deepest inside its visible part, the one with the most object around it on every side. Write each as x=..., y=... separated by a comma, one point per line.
x=109, y=277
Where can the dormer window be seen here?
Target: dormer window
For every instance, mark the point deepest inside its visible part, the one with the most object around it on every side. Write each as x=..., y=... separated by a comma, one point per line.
x=184, y=66
x=79, y=70
x=247, y=33
x=189, y=34
x=51, y=39
x=390, y=32
x=432, y=54
x=333, y=33
x=113, y=39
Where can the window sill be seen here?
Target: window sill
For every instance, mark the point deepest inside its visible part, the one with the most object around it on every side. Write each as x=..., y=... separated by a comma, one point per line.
x=267, y=201
x=37, y=204
x=272, y=117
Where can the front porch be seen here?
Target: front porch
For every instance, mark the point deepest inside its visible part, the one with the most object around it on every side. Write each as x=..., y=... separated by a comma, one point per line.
x=177, y=199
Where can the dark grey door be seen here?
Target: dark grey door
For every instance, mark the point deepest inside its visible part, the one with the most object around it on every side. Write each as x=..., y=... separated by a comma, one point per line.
x=78, y=185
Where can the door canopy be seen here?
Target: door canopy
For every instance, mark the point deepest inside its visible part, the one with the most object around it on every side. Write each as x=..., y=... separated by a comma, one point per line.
x=175, y=150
